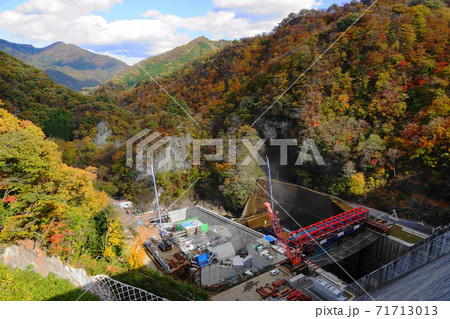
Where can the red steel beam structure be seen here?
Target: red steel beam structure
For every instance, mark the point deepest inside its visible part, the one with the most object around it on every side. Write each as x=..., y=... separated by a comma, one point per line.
x=378, y=226
x=330, y=225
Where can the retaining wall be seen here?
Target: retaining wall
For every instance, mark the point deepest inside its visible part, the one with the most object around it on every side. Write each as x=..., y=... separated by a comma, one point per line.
x=435, y=246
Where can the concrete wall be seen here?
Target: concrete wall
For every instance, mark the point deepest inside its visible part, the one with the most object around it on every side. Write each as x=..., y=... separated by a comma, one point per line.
x=210, y=275
x=216, y=273
x=177, y=215
x=304, y=205
x=381, y=252
x=225, y=272
x=420, y=254
x=241, y=236
x=428, y=283
x=225, y=250
x=257, y=261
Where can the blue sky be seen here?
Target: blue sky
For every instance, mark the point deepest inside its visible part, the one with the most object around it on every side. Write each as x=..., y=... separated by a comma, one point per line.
x=142, y=28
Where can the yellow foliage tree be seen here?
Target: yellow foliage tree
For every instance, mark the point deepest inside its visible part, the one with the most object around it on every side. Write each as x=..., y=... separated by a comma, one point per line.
x=50, y=202
x=114, y=243
x=358, y=184
x=137, y=253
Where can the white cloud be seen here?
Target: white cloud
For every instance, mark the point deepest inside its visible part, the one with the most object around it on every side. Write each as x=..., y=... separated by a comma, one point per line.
x=123, y=57
x=40, y=6
x=73, y=21
x=56, y=6
x=96, y=5
x=151, y=14
x=280, y=7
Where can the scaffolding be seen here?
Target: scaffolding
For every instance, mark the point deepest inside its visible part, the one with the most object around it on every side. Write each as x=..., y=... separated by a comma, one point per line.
x=339, y=252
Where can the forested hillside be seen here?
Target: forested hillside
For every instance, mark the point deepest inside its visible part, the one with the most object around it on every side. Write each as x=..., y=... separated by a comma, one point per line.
x=56, y=208
x=377, y=103
x=62, y=113
x=45, y=200
x=164, y=63
x=67, y=64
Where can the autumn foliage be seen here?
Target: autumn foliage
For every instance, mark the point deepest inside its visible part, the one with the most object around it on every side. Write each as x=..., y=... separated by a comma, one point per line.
x=377, y=100
x=42, y=198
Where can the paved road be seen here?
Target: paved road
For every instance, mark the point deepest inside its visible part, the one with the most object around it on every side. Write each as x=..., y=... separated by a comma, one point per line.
x=128, y=221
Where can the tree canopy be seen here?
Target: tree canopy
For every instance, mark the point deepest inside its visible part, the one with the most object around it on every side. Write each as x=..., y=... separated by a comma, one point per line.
x=41, y=198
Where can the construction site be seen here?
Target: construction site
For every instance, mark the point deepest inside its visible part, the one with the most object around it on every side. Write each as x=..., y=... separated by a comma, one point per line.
x=209, y=249
x=292, y=243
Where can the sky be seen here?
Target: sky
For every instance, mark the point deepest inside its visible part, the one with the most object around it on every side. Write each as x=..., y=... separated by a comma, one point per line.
x=132, y=30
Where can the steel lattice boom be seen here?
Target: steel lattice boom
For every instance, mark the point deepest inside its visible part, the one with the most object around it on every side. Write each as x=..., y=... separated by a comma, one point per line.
x=279, y=232
x=281, y=235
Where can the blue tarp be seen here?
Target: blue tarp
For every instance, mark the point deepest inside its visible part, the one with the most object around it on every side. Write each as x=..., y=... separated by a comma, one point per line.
x=202, y=259
x=269, y=238
x=187, y=224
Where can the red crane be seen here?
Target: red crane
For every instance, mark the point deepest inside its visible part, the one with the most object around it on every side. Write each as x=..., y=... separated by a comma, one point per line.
x=279, y=232
x=281, y=236
x=301, y=238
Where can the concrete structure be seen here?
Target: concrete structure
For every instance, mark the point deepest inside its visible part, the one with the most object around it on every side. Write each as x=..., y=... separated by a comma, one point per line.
x=414, y=227
x=240, y=236
x=327, y=289
x=374, y=260
x=371, y=257
x=367, y=250
x=297, y=280
x=230, y=246
x=428, y=283
x=248, y=262
x=304, y=205
x=246, y=291
x=428, y=250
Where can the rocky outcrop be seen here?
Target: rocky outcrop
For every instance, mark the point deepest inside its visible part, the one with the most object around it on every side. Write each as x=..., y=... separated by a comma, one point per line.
x=22, y=257
x=174, y=155
x=103, y=133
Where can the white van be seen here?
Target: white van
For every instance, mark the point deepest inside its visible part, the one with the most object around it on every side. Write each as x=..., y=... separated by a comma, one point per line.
x=274, y=272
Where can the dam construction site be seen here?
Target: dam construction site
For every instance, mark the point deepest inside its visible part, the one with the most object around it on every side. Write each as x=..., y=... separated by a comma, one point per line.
x=292, y=243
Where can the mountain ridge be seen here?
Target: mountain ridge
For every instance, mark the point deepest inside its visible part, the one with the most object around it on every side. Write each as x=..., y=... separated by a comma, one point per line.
x=167, y=62
x=30, y=94
x=67, y=64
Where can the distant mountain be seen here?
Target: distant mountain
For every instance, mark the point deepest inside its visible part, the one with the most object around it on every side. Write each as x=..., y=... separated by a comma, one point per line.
x=167, y=62
x=29, y=94
x=67, y=64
